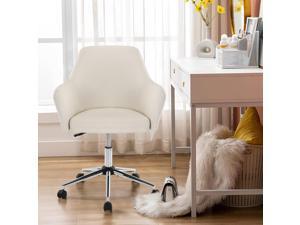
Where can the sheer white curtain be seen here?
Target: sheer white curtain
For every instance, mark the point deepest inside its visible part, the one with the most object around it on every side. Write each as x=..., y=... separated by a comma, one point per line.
x=160, y=29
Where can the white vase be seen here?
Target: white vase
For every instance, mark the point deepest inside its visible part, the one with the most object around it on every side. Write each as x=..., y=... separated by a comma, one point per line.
x=207, y=47
x=207, y=32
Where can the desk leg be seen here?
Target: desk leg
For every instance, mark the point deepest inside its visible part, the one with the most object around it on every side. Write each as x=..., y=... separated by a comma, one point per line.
x=219, y=115
x=173, y=147
x=236, y=117
x=193, y=160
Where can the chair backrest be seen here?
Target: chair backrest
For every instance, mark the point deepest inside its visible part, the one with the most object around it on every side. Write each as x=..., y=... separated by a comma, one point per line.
x=109, y=76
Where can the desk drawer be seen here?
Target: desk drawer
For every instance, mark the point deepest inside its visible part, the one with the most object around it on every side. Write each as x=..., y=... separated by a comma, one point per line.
x=180, y=79
x=227, y=88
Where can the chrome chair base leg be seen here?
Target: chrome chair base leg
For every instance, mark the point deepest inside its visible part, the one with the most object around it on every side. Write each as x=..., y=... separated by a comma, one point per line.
x=107, y=170
x=124, y=169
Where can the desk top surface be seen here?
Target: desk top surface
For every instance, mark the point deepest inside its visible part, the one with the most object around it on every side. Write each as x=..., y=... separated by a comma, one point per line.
x=206, y=66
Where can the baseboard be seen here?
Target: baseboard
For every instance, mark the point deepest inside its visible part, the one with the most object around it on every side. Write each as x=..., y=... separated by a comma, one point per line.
x=65, y=148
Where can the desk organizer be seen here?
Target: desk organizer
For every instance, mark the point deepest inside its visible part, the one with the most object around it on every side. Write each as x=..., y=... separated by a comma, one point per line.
x=232, y=58
x=251, y=177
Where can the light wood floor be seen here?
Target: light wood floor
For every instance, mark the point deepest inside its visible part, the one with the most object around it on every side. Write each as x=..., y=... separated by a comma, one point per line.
x=85, y=201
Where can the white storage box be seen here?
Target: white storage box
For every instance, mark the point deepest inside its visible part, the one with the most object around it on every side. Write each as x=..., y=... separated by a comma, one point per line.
x=251, y=177
x=232, y=58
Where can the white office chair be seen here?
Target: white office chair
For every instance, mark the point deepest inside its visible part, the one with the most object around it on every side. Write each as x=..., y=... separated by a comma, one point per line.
x=109, y=91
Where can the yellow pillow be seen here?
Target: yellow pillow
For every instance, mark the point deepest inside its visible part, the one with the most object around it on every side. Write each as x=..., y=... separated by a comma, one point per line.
x=249, y=128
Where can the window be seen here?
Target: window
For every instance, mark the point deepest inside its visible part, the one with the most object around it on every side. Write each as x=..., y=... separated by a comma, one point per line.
x=50, y=49
x=66, y=26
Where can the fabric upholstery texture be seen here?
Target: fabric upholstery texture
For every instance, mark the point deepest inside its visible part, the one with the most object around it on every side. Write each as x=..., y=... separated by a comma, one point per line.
x=112, y=77
x=249, y=128
x=109, y=120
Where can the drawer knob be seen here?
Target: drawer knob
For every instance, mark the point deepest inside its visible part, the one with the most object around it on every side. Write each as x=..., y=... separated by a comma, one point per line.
x=174, y=71
x=183, y=83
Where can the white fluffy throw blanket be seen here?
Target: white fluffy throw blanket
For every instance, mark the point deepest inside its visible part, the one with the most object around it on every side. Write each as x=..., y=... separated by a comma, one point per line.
x=218, y=161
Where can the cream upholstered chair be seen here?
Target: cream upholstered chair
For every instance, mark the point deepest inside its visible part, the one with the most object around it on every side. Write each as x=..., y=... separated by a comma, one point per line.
x=109, y=91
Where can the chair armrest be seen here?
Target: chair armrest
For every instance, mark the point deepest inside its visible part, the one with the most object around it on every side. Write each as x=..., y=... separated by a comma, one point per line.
x=153, y=100
x=67, y=103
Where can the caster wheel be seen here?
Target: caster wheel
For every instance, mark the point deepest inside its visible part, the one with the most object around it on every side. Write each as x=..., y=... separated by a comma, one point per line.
x=62, y=194
x=107, y=207
x=79, y=175
x=135, y=175
x=154, y=191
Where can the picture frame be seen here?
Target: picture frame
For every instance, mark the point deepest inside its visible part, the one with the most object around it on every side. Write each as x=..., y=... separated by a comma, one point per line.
x=251, y=34
x=251, y=24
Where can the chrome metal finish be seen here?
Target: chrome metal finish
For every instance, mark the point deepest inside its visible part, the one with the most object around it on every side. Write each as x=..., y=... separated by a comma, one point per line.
x=108, y=140
x=83, y=178
x=107, y=189
x=108, y=157
x=128, y=170
x=108, y=151
x=135, y=179
x=92, y=169
x=108, y=170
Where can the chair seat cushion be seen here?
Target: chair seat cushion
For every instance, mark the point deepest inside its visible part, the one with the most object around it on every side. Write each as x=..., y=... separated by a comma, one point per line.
x=109, y=120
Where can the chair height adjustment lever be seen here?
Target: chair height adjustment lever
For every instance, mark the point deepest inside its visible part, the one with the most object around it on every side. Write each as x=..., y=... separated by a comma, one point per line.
x=79, y=134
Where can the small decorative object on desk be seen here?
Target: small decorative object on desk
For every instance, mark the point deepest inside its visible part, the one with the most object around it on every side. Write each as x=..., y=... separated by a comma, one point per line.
x=243, y=49
x=206, y=48
x=234, y=41
x=223, y=41
x=169, y=190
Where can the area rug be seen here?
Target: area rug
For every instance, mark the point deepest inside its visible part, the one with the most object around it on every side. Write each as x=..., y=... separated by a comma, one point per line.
x=219, y=160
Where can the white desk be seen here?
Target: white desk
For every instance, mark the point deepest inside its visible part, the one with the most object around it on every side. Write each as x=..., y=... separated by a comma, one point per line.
x=203, y=84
